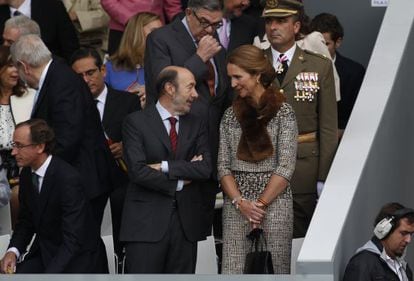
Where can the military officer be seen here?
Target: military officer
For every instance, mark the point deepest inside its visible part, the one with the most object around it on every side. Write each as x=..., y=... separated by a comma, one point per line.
x=307, y=81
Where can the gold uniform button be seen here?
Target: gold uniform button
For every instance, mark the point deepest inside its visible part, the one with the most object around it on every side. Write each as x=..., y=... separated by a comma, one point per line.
x=282, y=91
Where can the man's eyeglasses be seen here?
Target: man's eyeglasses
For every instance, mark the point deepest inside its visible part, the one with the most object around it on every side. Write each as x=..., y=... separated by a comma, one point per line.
x=206, y=24
x=20, y=146
x=88, y=73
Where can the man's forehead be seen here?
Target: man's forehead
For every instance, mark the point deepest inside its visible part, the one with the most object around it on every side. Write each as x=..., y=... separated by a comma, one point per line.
x=22, y=132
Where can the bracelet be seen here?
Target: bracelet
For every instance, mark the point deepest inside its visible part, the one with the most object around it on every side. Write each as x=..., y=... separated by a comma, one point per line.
x=261, y=200
x=238, y=204
x=234, y=201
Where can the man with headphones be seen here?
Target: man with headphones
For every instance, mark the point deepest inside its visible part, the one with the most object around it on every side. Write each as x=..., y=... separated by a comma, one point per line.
x=382, y=258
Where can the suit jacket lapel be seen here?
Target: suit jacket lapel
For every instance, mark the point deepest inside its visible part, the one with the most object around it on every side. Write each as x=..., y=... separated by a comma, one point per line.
x=269, y=55
x=43, y=91
x=183, y=36
x=157, y=126
x=109, y=109
x=47, y=185
x=183, y=134
x=35, y=10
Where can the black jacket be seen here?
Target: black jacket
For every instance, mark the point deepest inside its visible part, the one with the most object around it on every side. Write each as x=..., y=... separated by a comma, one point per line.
x=367, y=264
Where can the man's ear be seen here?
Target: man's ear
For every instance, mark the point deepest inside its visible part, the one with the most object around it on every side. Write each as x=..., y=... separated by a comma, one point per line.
x=24, y=65
x=338, y=43
x=40, y=148
x=103, y=70
x=188, y=11
x=169, y=88
x=296, y=26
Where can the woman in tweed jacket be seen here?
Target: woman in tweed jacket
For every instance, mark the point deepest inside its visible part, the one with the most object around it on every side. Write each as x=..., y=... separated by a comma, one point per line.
x=257, y=153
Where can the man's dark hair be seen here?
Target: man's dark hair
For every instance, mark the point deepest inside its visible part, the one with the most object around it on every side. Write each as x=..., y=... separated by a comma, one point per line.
x=86, y=53
x=394, y=209
x=327, y=23
x=209, y=5
x=40, y=132
x=167, y=75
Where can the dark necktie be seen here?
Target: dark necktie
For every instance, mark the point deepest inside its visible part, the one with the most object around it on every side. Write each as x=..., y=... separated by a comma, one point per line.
x=173, y=134
x=282, y=68
x=35, y=182
x=211, y=79
x=16, y=13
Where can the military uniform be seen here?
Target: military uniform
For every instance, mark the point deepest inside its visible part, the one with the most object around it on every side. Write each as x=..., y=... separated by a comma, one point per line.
x=309, y=87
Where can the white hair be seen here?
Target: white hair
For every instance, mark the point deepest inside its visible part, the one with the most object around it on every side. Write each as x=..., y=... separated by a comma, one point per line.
x=31, y=50
x=24, y=24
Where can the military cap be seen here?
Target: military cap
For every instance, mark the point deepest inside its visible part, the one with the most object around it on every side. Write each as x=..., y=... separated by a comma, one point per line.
x=282, y=8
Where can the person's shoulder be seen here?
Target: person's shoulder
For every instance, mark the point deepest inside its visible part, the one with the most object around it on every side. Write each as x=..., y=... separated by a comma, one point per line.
x=316, y=56
x=365, y=259
x=165, y=30
x=285, y=109
x=349, y=62
x=141, y=116
x=125, y=95
x=62, y=169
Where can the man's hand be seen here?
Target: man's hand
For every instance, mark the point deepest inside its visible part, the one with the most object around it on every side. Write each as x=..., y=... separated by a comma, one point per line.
x=8, y=263
x=208, y=47
x=197, y=158
x=142, y=96
x=156, y=166
x=116, y=149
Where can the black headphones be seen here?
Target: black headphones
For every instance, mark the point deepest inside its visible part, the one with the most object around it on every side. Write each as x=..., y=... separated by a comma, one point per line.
x=387, y=224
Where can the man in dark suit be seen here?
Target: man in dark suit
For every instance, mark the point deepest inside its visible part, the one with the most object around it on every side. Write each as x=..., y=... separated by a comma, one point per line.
x=192, y=42
x=113, y=107
x=54, y=207
x=57, y=30
x=166, y=149
x=351, y=73
x=65, y=102
x=238, y=28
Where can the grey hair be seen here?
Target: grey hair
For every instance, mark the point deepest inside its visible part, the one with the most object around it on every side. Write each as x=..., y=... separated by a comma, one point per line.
x=209, y=5
x=24, y=24
x=31, y=50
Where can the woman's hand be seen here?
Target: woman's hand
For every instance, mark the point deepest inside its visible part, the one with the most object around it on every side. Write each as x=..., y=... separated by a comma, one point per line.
x=251, y=211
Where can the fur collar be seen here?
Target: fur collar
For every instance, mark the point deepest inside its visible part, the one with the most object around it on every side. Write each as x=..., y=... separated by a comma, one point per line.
x=255, y=143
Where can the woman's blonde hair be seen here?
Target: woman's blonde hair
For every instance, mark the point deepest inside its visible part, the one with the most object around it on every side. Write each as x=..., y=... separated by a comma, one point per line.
x=131, y=50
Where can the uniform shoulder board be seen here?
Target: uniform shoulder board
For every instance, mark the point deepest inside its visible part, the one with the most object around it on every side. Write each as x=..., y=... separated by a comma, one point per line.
x=316, y=54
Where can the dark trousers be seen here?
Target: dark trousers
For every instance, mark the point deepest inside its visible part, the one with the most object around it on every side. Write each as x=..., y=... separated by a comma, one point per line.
x=98, y=207
x=303, y=207
x=90, y=262
x=33, y=264
x=117, y=203
x=173, y=254
x=114, y=40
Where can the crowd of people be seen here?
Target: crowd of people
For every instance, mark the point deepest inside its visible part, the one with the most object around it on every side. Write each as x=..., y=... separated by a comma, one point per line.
x=183, y=106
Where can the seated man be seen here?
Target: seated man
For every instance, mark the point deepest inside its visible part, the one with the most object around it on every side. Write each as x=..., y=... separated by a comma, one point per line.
x=382, y=257
x=54, y=207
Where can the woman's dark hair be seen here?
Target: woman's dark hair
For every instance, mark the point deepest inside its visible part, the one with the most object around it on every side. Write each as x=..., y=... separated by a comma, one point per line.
x=5, y=62
x=253, y=60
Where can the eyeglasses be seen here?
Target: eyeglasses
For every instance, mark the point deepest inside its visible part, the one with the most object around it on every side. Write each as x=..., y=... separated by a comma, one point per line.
x=19, y=146
x=88, y=73
x=206, y=24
